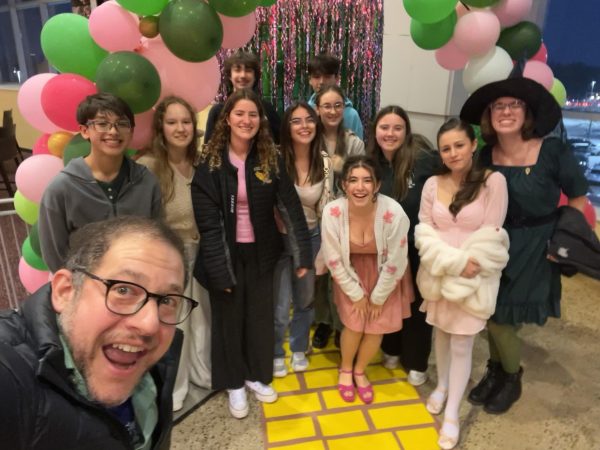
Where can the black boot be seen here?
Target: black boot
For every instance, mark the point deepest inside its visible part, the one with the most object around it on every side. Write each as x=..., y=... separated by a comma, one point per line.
x=321, y=336
x=491, y=381
x=509, y=393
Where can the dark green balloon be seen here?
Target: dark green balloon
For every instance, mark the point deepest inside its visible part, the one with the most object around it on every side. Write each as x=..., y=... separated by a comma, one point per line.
x=430, y=36
x=480, y=3
x=34, y=239
x=235, y=8
x=131, y=77
x=266, y=3
x=522, y=40
x=191, y=29
x=31, y=257
x=77, y=146
x=429, y=11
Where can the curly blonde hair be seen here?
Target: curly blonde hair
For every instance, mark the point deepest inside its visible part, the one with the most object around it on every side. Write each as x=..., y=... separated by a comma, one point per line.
x=263, y=141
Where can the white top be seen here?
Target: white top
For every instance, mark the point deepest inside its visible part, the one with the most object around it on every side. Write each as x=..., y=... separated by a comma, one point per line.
x=309, y=197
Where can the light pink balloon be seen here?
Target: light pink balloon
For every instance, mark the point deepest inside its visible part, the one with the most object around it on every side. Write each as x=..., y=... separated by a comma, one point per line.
x=41, y=145
x=29, y=101
x=541, y=55
x=540, y=72
x=511, y=12
x=143, y=130
x=450, y=57
x=32, y=279
x=461, y=10
x=35, y=173
x=476, y=33
x=114, y=28
x=237, y=31
x=198, y=83
x=61, y=96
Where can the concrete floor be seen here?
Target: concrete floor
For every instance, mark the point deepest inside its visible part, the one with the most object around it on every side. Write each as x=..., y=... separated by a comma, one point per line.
x=559, y=409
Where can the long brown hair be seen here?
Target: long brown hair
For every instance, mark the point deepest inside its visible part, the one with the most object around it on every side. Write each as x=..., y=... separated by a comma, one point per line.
x=340, y=140
x=405, y=157
x=159, y=150
x=476, y=176
x=267, y=152
x=315, y=170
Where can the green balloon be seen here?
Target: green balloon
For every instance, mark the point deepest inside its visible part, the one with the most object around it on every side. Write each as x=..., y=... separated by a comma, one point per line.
x=77, y=146
x=480, y=3
x=266, y=3
x=131, y=77
x=522, y=40
x=234, y=8
x=68, y=46
x=143, y=7
x=478, y=136
x=26, y=209
x=34, y=239
x=429, y=11
x=191, y=29
x=31, y=257
x=430, y=36
x=559, y=92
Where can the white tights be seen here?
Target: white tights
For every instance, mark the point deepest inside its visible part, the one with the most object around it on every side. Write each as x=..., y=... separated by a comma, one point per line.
x=453, y=355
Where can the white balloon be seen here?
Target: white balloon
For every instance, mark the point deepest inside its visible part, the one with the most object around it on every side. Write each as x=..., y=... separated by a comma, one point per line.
x=495, y=65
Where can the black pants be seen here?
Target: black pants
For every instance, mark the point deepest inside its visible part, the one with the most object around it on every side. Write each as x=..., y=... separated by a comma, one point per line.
x=243, y=325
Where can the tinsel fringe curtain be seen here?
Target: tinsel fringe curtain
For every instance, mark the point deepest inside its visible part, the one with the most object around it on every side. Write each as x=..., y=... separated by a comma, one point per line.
x=290, y=32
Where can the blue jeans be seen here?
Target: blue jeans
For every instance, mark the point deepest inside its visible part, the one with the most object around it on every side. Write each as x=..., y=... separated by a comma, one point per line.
x=287, y=288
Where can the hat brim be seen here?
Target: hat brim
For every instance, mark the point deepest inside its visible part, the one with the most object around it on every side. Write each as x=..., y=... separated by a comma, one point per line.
x=546, y=111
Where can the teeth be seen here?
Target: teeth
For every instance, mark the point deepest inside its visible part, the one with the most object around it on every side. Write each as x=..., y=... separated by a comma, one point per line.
x=127, y=348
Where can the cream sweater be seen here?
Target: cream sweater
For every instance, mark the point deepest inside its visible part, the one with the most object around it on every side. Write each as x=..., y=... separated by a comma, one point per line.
x=391, y=227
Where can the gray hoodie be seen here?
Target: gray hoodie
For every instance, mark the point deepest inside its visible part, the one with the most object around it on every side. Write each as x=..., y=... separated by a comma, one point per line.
x=74, y=198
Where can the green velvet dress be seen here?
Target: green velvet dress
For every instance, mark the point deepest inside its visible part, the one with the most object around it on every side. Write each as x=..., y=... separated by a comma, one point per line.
x=530, y=285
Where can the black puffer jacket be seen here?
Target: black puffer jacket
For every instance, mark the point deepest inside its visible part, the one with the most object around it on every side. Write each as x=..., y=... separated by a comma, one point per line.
x=214, y=199
x=39, y=408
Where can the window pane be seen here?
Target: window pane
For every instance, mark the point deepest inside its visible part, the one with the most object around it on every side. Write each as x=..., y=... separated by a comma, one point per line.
x=9, y=64
x=30, y=22
x=59, y=8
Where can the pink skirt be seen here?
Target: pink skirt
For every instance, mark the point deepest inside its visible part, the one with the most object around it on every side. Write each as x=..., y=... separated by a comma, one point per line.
x=395, y=309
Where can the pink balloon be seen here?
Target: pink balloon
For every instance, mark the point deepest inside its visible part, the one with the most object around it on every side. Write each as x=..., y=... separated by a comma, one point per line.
x=237, y=31
x=61, y=96
x=30, y=103
x=142, y=132
x=41, y=145
x=31, y=278
x=197, y=83
x=590, y=213
x=476, y=33
x=450, y=57
x=540, y=72
x=511, y=12
x=461, y=10
x=35, y=173
x=541, y=55
x=114, y=28
x=563, y=200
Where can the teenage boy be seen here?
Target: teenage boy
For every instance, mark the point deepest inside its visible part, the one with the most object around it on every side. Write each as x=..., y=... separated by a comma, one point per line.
x=242, y=70
x=324, y=69
x=103, y=184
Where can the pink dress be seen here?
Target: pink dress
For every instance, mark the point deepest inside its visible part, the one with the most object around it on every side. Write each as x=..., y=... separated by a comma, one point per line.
x=489, y=208
x=397, y=306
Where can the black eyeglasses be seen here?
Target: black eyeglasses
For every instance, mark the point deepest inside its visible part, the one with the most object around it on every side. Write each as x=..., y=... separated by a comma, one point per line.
x=104, y=126
x=126, y=298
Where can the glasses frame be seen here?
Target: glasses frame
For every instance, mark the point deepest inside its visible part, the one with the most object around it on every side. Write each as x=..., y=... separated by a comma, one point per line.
x=335, y=107
x=500, y=107
x=109, y=283
x=298, y=121
x=118, y=129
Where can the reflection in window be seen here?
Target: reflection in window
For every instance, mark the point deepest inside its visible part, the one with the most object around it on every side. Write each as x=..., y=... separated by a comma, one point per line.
x=9, y=65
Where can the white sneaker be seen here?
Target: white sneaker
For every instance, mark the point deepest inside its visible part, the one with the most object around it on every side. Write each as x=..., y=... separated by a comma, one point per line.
x=390, y=361
x=238, y=402
x=280, y=370
x=299, y=362
x=263, y=392
x=417, y=378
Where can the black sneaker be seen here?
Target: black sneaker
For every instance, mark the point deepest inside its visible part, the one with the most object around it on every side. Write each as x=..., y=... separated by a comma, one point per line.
x=509, y=393
x=489, y=384
x=321, y=336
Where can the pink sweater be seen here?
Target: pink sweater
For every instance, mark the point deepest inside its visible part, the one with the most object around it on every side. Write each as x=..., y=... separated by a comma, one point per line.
x=243, y=231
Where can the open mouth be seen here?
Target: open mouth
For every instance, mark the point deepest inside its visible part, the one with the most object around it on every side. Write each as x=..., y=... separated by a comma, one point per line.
x=123, y=356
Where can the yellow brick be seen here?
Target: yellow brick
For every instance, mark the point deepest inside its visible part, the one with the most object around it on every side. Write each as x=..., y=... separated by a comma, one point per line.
x=421, y=439
x=393, y=392
x=310, y=445
x=383, y=441
x=324, y=360
x=342, y=423
x=334, y=400
x=377, y=372
x=321, y=378
x=399, y=416
x=288, y=383
x=285, y=430
x=287, y=405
